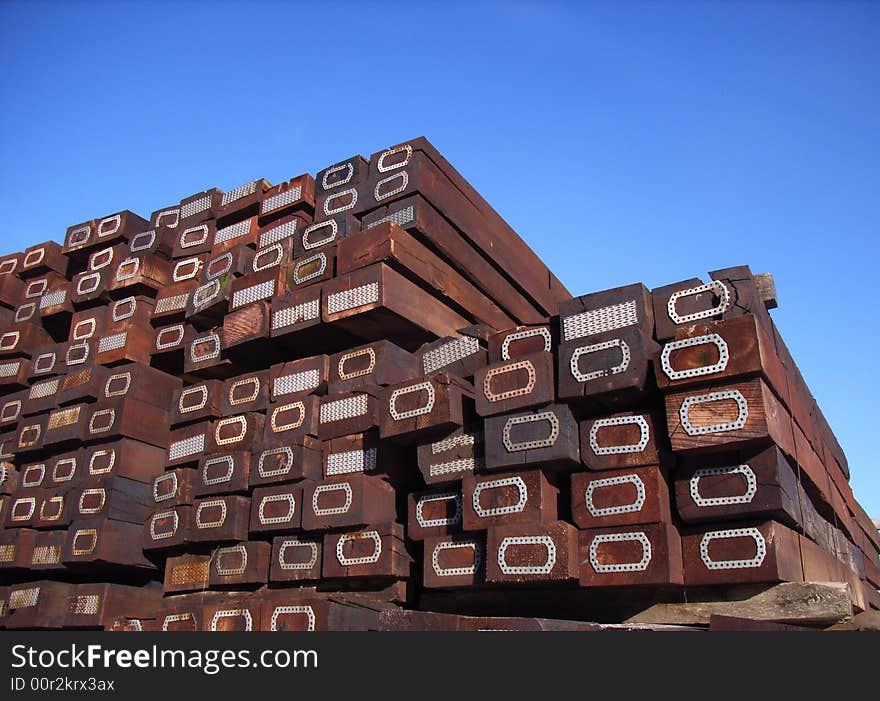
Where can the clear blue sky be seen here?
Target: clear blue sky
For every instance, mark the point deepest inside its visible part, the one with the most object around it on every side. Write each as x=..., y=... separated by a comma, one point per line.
x=625, y=142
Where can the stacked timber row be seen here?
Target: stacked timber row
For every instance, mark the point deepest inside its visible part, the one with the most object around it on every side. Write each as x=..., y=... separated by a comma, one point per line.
x=360, y=401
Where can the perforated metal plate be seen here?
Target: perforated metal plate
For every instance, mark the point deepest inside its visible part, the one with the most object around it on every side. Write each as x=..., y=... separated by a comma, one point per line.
x=352, y=299
x=453, y=520
x=228, y=233
x=90, y=535
x=346, y=408
x=247, y=295
x=187, y=269
x=236, y=421
x=544, y=540
x=526, y=333
x=203, y=356
x=77, y=353
x=117, y=385
x=9, y=340
x=240, y=192
x=222, y=477
x=238, y=554
x=272, y=499
x=716, y=286
x=275, y=420
x=242, y=613
x=187, y=447
x=197, y=206
x=10, y=369
x=108, y=226
x=176, y=618
x=464, y=465
x=84, y=605
x=173, y=217
x=711, y=338
x=278, y=233
x=295, y=542
x=84, y=329
x=464, y=439
x=206, y=294
x=346, y=375
x=255, y=384
x=547, y=442
x=384, y=168
x=41, y=390
x=97, y=455
x=46, y=555
x=365, y=560
x=307, y=311
x=77, y=236
x=175, y=303
x=342, y=180
x=162, y=516
x=188, y=402
x=352, y=461
x=162, y=493
x=347, y=198
x=645, y=435
x=602, y=320
x=298, y=278
x=114, y=342
x=448, y=353
x=25, y=312
x=212, y=269
x=64, y=470
x=323, y=489
x=636, y=537
x=753, y=533
x=515, y=481
x=401, y=217
x=53, y=299
x=124, y=309
x=142, y=241
x=286, y=451
x=455, y=545
x=33, y=258
x=102, y=421
x=87, y=284
x=731, y=394
x=320, y=234
x=269, y=257
x=211, y=504
x=128, y=269
x=303, y=609
x=751, y=484
x=625, y=357
x=296, y=382
x=51, y=509
x=24, y=598
x=631, y=508
x=99, y=492
x=282, y=199
x=426, y=408
x=511, y=393
x=33, y=475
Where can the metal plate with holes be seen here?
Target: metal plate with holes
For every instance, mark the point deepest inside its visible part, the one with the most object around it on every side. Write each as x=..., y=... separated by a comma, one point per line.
x=77, y=548
x=175, y=303
x=603, y=320
x=365, y=560
x=350, y=461
x=53, y=299
x=716, y=286
x=426, y=408
x=296, y=382
x=242, y=613
x=177, y=618
x=282, y=199
x=160, y=491
x=342, y=180
x=526, y=333
x=346, y=408
x=636, y=537
x=173, y=215
x=354, y=298
x=285, y=467
x=303, y=609
x=453, y=520
x=52, y=508
x=41, y=390
x=84, y=329
x=79, y=235
x=254, y=382
x=45, y=362
x=307, y=311
x=194, y=236
x=9, y=340
x=27, y=311
x=515, y=481
x=347, y=357
x=128, y=269
x=513, y=541
x=625, y=357
x=163, y=516
x=511, y=393
x=455, y=545
x=321, y=234
x=320, y=258
x=102, y=421
x=295, y=542
x=278, y=233
x=99, y=492
x=269, y=257
x=272, y=499
x=98, y=454
x=214, y=339
x=448, y=353
x=240, y=421
x=197, y=206
x=84, y=605
x=187, y=403
x=751, y=484
x=254, y=293
x=117, y=385
x=124, y=309
x=77, y=353
x=401, y=217
x=24, y=598
x=220, y=478
x=109, y=226
x=188, y=269
x=114, y=342
x=46, y=555
x=206, y=293
x=228, y=233
x=212, y=271
x=547, y=442
x=644, y=435
x=695, y=400
x=210, y=504
x=194, y=445
x=634, y=507
x=238, y=552
x=23, y=509
x=64, y=470
x=142, y=241
x=707, y=339
x=463, y=440
x=348, y=199
x=277, y=412
x=323, y=489
x=464, y=465
x=34, y=257
x=753, y=533
x=33, y=475
x=405, y=148
x=240, y=192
